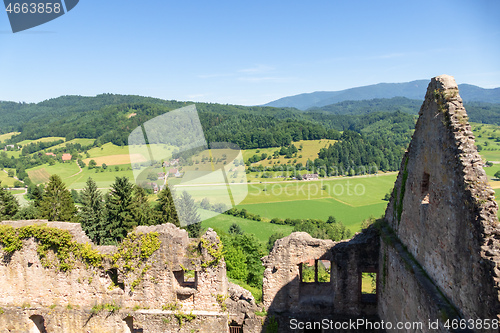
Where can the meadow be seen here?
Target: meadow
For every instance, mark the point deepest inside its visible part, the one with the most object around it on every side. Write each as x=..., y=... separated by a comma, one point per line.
x=7, y=136
x=262, y=230
x=349, y=199
x=307, y=149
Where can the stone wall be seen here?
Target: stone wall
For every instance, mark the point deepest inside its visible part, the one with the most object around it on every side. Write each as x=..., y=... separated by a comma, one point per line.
x=181, y=280
x=444, y=213
x=287, y=296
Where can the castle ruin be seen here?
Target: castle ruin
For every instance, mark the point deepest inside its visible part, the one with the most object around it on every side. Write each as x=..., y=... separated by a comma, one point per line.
x=433, y=259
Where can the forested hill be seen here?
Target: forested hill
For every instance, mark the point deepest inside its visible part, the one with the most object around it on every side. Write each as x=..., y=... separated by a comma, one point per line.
x=480, y=112
x=413, y=90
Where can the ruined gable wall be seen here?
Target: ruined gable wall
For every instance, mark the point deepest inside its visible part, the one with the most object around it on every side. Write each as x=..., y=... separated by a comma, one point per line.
x=443, y=211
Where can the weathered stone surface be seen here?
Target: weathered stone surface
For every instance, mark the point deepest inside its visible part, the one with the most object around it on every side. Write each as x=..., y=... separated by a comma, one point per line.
x=64, y=300
x=286, y=296
x=443, y=210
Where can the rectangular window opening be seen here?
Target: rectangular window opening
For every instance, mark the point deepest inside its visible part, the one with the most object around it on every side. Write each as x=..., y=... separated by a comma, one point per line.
x=187, y=278
x=315, y=271
x=369, y=287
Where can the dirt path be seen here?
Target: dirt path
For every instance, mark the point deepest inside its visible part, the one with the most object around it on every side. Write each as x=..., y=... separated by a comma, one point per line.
x=79, y=172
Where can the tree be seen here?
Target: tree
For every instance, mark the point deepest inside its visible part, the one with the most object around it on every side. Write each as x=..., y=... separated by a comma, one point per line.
x=165, y=209
x=497, y=174
x=141, y=210
x=119, y=208
x=104, y=166
x=92, y=214
x=188, y=214
x=235, y=229
x=92, y=164
x=272, y=239
x=10, y=173
x=8, y=204
x=57, y=203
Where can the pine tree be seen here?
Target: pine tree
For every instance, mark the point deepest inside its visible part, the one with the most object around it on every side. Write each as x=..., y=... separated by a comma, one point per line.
x=141, y=210
x=119, y=210
x=8, y=204
x=57, y=203
x=165, y=208
x=188, y=214
x=92, y=215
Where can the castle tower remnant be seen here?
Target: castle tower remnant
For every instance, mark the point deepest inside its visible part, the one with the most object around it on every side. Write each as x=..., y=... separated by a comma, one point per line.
x=444, y=213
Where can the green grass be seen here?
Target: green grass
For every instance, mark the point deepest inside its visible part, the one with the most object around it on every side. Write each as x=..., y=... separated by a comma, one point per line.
x=262, y=230
x=83, y=142
x=40, y=174
x=7, y=136
x=6, y=180
x=351, y=217
x=47, y=139
x=103, y=179
x=310, y=150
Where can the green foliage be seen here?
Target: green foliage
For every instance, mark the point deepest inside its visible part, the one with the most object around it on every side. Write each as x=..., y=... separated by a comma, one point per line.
x=274, y=237
x=235, y=229
x=119, y=206
x=141, y=209
x=92, y=214
x=221, y=300
x=57, y=203
x=8, y=204
x=215, y=250
x=272, y=325
x=110, y=307
x=242, y=256
x=165, y=208
x=174, y=306
x=399, y=204
x=188, y=214
x=182, y=318
x=497, y=174
x=59, y=241
x=133, y=253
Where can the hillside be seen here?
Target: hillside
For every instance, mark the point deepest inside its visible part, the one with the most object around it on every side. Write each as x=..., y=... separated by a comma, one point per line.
x=481, y=112
x=412, y=90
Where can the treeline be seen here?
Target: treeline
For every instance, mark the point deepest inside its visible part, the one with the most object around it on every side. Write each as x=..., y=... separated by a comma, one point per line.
x=106, y=219
x=37, y=146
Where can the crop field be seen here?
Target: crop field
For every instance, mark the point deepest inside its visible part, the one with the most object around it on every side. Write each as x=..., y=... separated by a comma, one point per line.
x=41, y=174
x=262, y=230
x=7, y=136
x=309, y=150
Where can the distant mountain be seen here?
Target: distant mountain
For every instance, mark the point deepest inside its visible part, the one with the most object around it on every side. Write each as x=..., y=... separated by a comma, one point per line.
x=412, y=90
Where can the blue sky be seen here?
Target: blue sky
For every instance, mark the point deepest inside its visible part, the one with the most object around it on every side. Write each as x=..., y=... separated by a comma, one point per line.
x=248, y=52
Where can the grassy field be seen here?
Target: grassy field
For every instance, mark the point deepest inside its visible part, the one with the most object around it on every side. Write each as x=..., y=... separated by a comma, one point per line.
x=83, y=142
x=262, y=230
x=41, y=174
x=309, y=150
x=5, y=179
x=7, y=136
x=103, y=179
x=47, y=139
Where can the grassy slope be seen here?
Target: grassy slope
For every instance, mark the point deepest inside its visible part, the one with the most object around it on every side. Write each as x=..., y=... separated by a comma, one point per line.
x=5, y=179
x=262, y=230
x=309, y=151
x=7, y=136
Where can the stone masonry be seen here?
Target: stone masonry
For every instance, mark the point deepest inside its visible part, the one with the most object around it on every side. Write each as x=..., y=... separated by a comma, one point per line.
x=154, y=295
x=436, y=253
